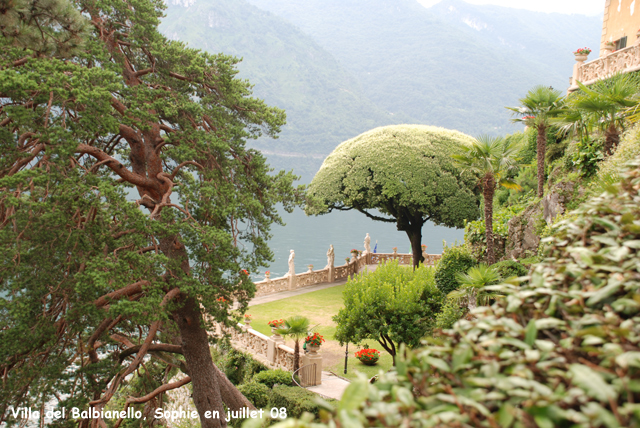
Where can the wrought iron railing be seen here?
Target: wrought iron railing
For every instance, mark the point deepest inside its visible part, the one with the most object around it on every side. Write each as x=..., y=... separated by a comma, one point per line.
x=306, y=375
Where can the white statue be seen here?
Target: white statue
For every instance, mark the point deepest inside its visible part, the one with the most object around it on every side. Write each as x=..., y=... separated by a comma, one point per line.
x=292, y=256
x=367, y=243
x=330, y=256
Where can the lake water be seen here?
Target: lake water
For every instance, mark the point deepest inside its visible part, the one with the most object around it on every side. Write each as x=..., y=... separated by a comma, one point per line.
x=310, y=238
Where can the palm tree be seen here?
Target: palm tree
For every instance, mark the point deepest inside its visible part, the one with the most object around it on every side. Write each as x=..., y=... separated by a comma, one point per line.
x=295, y=327
x=472, y=284
x=490, y=158
x=537, y=108
x=602, y=105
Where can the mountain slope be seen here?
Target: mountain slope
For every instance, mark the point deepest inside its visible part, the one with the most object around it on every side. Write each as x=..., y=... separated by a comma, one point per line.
x=324, y=103
x=432, y=67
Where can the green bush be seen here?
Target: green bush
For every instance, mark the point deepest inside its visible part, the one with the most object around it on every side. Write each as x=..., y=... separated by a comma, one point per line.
x=562, y=350
x=255, y=392
x=454, y=259
x=508, y=268
x=270, y=378
x=450, y=313
x=239, y=367
x=295, y=399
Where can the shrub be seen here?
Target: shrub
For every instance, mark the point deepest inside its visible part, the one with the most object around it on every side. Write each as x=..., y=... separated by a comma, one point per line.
x=255, y=392
x=451, y=312
x=454, y=259
x=508, y=268
x=270, y=378
x=295, y=399
x=392, y=305
x=239, y=367
x=562, y=350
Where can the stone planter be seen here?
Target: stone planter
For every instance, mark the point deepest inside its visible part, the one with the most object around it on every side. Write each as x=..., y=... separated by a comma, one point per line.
x=313, y=350
x=275, y=335
x=581, y=57
x=267, y=276
x=310, y=268
x=247, y=323
x=369, y=363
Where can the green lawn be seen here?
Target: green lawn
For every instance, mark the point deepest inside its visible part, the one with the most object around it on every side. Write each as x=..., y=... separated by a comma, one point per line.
x=319, y=307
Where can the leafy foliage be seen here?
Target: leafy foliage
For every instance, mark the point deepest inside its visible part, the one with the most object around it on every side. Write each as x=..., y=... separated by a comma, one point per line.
x=295, y=327
x=493, y=160
x=392, y=305
x=405, y=172
x=450, y=313
x=257, y=393
x=124, y=175
x=474, y=284
x=274, y=377
x=509, y=268
x=454, y=259
x=562, y=350
x=295, y=399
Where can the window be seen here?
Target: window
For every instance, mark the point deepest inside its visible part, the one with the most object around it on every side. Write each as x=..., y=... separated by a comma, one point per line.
x=622, y=43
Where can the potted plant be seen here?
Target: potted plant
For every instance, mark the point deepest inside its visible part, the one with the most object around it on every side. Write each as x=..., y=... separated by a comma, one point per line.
x=354, y=253
x=313, y=342
x=368, y=356
x=247, y=320
x=275, y=325
x=267, y=275
x=582, y=54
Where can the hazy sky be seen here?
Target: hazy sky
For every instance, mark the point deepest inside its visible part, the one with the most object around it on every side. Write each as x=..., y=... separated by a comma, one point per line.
x=584, y=7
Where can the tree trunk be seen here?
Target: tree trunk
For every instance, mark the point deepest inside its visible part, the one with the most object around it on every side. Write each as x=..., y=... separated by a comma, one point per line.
x=210, y=386
x=195, y=348
x=611, y=139
x=541, y=148
x=415, y=237
x=296, y=355
x=488, y=190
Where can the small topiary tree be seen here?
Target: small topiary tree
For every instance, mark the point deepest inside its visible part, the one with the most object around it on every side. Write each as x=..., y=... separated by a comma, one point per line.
x=401, y=174
x=454, y=259
x=392, y=305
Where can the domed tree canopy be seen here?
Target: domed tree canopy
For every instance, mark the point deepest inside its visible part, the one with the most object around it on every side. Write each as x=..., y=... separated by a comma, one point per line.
x=405, y=172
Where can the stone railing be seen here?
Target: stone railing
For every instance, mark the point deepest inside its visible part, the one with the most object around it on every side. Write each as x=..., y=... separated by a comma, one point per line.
x=625, y=60
x=270, y=351
x=335, y=273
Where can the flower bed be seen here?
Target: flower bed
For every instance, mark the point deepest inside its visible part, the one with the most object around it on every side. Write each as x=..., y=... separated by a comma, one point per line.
x=368, y=356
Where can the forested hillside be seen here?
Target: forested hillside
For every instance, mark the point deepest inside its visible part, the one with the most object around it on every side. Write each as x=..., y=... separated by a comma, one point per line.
x=341, y=67
x=324, y=103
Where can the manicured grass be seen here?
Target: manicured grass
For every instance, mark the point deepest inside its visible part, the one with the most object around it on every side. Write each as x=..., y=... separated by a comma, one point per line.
x=354, y=366
x=320, y=306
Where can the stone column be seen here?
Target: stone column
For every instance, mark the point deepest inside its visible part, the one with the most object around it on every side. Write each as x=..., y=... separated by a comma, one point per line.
x=314, y=357
x=272, y=345
x=576, y=69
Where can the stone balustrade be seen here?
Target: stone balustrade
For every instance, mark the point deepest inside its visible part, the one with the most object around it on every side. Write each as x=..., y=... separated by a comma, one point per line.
x=625, y=60
x=270, y=351
x=335, y=273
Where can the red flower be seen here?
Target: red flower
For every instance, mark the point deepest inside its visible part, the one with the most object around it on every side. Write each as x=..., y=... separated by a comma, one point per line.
x=244, y=271
x=275, y=323
x=368, y=355
x=316, y=339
